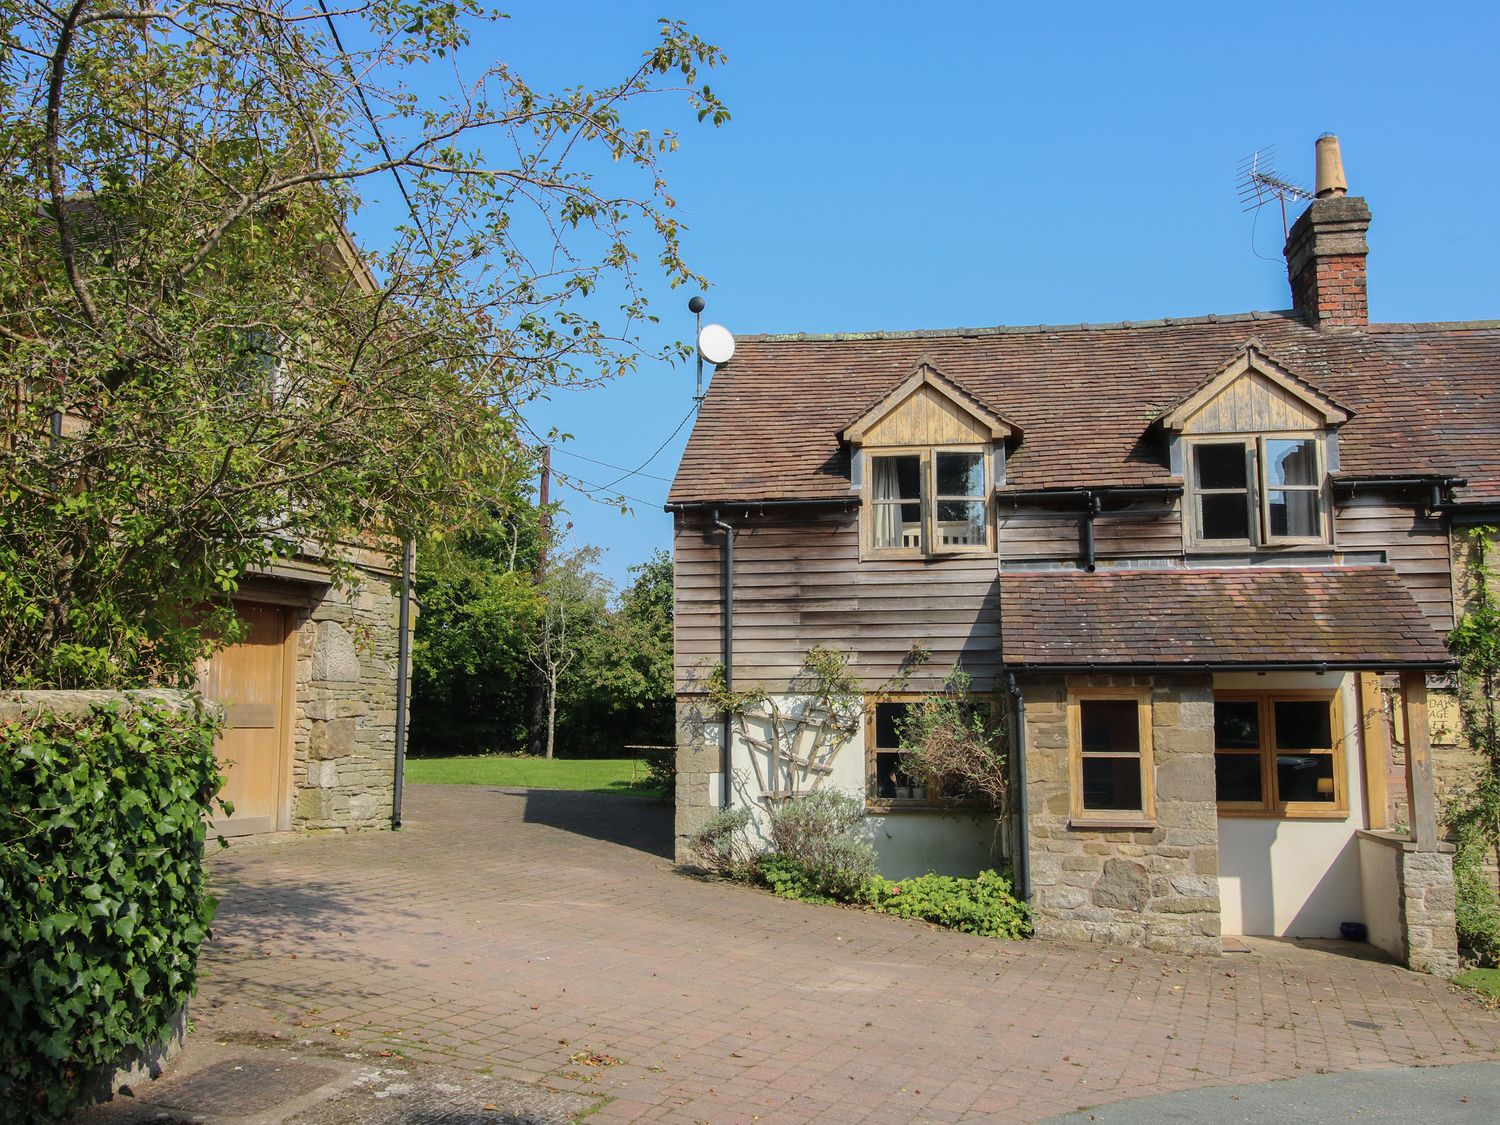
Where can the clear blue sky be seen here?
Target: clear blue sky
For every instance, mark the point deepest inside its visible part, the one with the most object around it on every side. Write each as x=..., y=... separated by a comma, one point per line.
x=897, y=166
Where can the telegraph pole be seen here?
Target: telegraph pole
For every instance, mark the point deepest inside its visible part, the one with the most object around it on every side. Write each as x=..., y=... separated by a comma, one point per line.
x=538, y=676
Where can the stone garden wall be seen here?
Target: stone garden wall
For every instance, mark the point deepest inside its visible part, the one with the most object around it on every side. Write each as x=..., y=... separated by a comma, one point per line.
x=1155, y=887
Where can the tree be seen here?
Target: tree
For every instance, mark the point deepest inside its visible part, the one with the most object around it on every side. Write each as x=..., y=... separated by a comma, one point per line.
x=574, y=605
x=634, y=669
x=201, y=374
x=470, y=657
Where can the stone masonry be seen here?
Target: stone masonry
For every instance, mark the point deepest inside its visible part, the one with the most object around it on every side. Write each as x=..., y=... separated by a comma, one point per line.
x=1427, y=911
x=344, y=738
x=1156, y=888
x=697, y=764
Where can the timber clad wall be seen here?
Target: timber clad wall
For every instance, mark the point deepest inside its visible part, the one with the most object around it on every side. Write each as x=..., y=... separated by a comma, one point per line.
x=1415, y=545
x=1140, y=531
x=799, y=583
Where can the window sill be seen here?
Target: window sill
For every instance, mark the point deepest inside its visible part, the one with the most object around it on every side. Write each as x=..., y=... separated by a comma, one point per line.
x=913, y=555
x=1113, y=824
x=887, y=806
x=1245, y=547
x=1284, y=814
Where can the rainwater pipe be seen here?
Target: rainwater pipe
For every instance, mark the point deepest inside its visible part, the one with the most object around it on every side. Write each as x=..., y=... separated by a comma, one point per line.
x=726, y=756
x=1023, y=836
x=403, y=677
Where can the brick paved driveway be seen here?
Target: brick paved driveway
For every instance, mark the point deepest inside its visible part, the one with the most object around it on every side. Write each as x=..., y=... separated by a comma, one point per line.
x=512, y=931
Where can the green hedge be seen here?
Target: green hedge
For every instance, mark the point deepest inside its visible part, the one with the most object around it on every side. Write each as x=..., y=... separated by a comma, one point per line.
x=102, y=901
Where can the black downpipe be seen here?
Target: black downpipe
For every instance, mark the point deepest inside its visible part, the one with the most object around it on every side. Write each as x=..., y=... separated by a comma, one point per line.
x=1092, y=506
x=1023, y=836
x=403, y=678
x=726, y=757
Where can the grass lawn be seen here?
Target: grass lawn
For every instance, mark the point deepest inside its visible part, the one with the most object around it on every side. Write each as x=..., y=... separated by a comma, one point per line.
x=590, y=775
x=1486, y=982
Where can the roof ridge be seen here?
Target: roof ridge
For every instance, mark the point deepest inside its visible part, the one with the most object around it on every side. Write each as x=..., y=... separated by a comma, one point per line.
x=1254, y=315
x=1018, y=329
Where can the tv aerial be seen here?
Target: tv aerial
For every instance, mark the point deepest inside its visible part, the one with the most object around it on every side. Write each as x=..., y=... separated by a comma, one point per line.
x=1260, y=182
x=714, y=342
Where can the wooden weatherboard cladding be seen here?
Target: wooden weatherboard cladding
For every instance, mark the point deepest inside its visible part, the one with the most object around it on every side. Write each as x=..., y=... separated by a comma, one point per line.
x=927, y=409
x=799, y=582
x=1253, y=394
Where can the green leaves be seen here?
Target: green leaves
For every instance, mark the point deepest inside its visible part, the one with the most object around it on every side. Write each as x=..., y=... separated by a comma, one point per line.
x=102, y=912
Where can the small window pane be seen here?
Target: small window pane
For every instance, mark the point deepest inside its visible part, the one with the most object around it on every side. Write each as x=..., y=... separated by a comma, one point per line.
x=1237, y=777
x=1305, y=777
x=960, y=523
x=960, y=474
x=1237, y=724
x=896, y=478
x=1225, y=515
x=896, y=525
x=1291, y=462
x=889, y=773
x=888, y=718
x=1303, y=724
x=1220, y=465
x=1294, y=513
x=1112, y=783
x=1109, y=726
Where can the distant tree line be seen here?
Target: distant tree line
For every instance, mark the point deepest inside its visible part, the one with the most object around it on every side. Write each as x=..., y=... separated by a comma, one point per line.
x=487, y=629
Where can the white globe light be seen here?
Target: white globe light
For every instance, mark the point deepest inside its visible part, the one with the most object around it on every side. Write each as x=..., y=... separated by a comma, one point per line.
x=715, y=344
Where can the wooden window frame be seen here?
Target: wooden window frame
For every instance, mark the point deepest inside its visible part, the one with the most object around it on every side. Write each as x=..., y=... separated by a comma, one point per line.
x=1271, y=806
x=933, y=801
x=1080, y=817
x=928, y=500
x=1258, y=490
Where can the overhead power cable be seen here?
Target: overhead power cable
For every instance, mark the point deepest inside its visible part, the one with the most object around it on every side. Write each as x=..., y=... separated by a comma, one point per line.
x=608, y=465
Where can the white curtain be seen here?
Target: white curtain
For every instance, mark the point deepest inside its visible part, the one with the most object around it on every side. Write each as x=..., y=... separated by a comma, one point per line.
x=887, y=486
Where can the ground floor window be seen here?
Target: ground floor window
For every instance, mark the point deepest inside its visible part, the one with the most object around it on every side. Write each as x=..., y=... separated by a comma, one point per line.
x=888, y=785
x=1109, y=735
x=1279, y=754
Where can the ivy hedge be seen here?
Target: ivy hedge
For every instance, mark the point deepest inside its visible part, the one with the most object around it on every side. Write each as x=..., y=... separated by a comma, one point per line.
x=102, y=900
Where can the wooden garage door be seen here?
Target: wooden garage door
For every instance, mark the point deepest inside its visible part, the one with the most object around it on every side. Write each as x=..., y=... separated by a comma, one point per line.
x=252, y=680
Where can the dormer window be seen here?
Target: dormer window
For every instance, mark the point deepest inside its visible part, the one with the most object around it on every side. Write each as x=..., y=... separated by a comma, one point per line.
x=1261, y=490
x=926, y=457
x=929, y=501
x=1253, y=445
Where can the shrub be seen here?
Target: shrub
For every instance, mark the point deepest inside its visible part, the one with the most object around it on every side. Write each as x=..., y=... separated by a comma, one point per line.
x=661, y=773
x=722, y=845
x=955, y=745
x=102, y=902
x=821, y=831
x=984, y=905
x=786, y=878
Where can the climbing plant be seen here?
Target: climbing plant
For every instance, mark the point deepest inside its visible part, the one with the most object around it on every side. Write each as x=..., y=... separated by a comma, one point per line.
x=1473, y=816
x=955, y=744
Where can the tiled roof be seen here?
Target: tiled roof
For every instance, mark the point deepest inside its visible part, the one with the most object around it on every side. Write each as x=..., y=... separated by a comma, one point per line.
x=1426, y=399
x=1344, y=617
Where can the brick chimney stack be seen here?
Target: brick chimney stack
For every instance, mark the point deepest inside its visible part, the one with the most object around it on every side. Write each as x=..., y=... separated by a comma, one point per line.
x=1326, y=249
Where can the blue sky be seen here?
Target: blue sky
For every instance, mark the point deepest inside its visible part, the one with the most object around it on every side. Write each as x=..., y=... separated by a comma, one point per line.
x=897, y=166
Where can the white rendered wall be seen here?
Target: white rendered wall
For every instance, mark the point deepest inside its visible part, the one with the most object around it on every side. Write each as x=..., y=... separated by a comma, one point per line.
x=1295, y=878
x=908, y=843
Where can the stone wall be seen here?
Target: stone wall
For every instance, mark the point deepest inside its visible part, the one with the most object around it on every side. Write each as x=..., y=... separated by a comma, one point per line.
x=698, y=770
x=344, y=733
x=1156, y=888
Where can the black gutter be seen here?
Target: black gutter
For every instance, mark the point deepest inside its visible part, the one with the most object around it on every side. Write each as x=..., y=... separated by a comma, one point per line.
x=726, y=757
x=1303, y=666
x=1341, y=483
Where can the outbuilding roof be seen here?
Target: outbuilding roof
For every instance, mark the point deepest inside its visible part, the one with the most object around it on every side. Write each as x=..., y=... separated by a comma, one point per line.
x=1342, y=617
x=1425, y=399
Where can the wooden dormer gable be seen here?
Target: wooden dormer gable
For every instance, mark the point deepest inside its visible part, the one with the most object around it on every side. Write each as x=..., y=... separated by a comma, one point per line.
x=1253, y=393
x=928, y=409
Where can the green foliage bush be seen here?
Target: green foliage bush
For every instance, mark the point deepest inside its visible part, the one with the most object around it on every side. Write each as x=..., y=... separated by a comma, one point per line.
x=661, y=773
x=721, y=844
x=821, y=831
x=102, y=901
x=985, y=905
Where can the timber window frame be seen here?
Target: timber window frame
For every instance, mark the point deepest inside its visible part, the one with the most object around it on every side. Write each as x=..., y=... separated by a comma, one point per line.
x=944, y=501
x=1269, y=490
x=1278, y=759
x=881, y=739
x=1090, y=763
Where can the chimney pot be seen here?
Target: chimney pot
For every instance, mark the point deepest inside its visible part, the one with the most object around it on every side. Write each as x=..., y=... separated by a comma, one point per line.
x=1330, y=179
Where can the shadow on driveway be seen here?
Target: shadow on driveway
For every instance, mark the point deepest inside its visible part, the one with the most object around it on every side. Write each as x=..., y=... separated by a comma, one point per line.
x=631, y=822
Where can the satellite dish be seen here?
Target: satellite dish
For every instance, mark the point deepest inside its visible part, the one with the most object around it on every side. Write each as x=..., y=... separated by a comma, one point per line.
x=715, y=344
